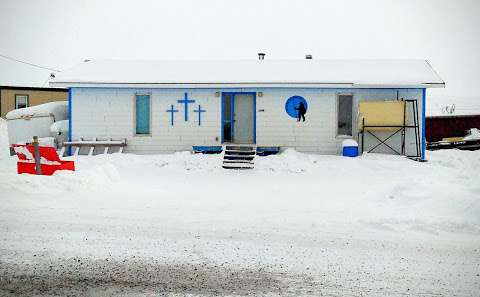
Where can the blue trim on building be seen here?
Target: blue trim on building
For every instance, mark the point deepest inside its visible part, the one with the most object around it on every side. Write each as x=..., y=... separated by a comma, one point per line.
x=207, y=149
x=70, y=91
x=232, y=110
x=254, y=117
x=232, y=104
x=221, y=118
x=424, y=141
x=267, y=150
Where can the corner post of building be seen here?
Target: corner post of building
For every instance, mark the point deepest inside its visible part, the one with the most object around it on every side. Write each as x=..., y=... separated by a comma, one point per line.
x=424, y=142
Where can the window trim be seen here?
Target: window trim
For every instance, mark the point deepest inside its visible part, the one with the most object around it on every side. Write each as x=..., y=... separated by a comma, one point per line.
x=149, y=134
x=343, y=136
x=27, y=103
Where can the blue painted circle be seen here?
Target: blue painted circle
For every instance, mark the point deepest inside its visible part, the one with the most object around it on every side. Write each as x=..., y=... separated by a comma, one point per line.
x=292, y=103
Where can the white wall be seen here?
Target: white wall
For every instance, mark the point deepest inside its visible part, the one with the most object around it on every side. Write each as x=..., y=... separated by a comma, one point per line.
x=318, y=132
x=110, y=113
x=106, y=113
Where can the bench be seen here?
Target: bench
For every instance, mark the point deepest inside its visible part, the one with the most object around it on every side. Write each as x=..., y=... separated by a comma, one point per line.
x=94, y=144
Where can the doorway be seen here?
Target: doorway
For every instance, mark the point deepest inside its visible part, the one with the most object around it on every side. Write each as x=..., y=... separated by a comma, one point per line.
x=238, y=117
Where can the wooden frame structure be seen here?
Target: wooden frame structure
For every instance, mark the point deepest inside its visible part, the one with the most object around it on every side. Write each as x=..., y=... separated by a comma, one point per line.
x=395, y=130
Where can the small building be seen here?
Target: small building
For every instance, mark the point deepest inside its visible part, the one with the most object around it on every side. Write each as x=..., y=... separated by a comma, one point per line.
x=451, y=117
x=19, y=97
x=168, y=106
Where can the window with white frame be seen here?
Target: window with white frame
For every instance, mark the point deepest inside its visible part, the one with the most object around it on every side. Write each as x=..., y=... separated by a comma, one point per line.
x=21, y=101
x=344, y=114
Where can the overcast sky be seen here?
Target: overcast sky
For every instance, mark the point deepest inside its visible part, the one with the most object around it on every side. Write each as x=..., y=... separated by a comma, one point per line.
x=59, y=34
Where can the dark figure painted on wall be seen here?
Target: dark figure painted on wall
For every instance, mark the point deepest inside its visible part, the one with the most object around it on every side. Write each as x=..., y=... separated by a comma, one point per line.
x=301, y=111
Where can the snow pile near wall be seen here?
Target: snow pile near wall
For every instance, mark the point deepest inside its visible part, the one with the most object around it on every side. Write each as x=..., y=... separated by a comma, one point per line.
x=474, y=134
x=59, y=127
x=380, y=191
x=59, y=109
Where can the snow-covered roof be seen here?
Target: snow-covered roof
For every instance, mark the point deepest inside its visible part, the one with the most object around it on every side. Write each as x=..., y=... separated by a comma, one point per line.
x=300, y=73
x=59, y=109
x=453, y=106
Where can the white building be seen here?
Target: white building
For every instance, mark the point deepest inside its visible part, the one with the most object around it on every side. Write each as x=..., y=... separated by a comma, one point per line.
x=166, y=106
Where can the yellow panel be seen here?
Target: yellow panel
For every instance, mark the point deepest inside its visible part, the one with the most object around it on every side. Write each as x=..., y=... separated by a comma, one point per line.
x=382, y=113
x=452, y=139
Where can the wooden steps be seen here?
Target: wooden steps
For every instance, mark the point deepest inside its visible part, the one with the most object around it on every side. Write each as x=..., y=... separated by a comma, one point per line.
x=239, y=156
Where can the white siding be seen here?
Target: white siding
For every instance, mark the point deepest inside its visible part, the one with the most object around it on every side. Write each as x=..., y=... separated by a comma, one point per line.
x=110, y=113
x=318, y=133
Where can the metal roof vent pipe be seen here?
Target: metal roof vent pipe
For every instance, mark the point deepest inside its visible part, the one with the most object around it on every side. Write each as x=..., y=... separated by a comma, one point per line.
x=308, y=57
x=261, y=56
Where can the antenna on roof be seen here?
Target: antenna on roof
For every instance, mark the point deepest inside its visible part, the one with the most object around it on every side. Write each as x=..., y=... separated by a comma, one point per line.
x=261, y=56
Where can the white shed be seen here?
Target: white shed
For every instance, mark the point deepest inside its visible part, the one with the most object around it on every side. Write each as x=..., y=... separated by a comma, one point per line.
x=167, y=106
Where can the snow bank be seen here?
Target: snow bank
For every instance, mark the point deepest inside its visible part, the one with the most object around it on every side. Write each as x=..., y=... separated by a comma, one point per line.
x=59, y=110
x=385, y=191
x=474, y=134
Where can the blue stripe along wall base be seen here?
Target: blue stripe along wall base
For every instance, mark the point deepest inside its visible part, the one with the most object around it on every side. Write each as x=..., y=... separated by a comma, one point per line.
x=207, y=149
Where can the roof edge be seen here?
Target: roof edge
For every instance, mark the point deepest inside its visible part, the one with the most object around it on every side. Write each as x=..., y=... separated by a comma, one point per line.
x=436, y=73
x=55, y=89
x=245, y=85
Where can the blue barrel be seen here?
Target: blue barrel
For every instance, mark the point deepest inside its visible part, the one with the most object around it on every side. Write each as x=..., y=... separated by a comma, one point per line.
x=350, y=151
x=350, y=148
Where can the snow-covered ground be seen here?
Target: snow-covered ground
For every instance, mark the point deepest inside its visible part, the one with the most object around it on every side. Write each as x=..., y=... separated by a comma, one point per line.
x=296, y=225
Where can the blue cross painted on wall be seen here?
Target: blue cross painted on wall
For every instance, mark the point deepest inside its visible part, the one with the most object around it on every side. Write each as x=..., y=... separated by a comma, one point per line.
x=199, y=110
x=171, y=111
x=185, y=102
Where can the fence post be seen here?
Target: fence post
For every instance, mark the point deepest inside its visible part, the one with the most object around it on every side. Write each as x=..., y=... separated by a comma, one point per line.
x=36, y=150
